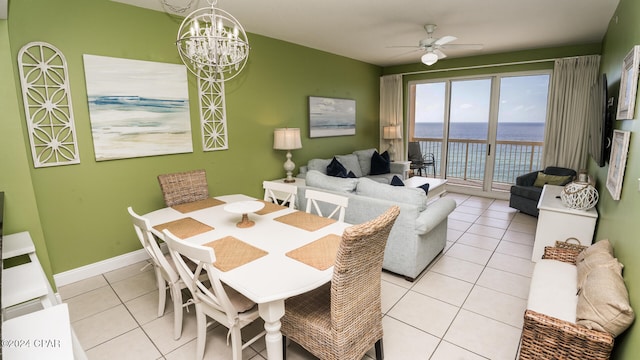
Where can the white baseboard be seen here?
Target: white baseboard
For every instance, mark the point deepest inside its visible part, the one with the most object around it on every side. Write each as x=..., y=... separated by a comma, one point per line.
x=100, y=267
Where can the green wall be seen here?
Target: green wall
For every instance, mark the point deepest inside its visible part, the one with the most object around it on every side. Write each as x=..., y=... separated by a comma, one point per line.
x=82, y=208
x=618, y=220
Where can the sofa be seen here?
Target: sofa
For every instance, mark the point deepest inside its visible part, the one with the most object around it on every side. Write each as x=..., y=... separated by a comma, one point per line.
x=525, y=194
x=577, y=305
x=359, y=164
x=418, y=235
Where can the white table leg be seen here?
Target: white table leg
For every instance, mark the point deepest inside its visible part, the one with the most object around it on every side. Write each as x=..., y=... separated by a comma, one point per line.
x=271, y=313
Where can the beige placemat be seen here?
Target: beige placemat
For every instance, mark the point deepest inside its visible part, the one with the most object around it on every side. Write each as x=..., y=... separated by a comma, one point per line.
x=184, y=228
x=320, y=254
x=269, y=207
x=305, y=221
x=232, y=252
x=197, y=205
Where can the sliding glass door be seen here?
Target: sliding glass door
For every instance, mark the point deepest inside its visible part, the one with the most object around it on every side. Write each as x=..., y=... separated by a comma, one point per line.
x=483, y=131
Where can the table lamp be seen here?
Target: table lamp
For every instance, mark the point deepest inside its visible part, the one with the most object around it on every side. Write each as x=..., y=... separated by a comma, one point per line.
x=391, y=133
x=287, y=139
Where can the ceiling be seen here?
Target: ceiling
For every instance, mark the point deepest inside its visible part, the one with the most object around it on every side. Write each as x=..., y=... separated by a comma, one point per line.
x=366, y=29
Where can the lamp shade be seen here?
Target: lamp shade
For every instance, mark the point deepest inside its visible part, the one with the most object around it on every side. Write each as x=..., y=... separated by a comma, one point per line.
x=286, y=139
x=391, y=132
x=429, y=58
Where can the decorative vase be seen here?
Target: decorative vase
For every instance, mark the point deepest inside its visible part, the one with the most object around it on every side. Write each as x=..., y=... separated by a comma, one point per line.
x=579, y=196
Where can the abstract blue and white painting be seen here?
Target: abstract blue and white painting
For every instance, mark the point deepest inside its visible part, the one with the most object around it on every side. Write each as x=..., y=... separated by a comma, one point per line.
x=331, y=117
x=137, y=108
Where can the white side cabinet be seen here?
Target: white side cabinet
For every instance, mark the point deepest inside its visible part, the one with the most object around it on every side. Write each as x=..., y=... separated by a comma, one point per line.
x=558, y=222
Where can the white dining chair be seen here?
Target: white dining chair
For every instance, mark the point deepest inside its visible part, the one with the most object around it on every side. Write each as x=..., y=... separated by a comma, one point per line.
x=315, y=198
x=219, y=302
x=280, y=193
x=25, y=281
x=164, y=268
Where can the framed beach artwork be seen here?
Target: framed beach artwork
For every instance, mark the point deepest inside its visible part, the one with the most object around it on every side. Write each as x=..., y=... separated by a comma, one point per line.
x=617, y=162
x=628, y=84
x=137, y=108
x=331, y=117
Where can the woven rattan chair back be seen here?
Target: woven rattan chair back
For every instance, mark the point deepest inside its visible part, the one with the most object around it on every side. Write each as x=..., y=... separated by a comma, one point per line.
x=280, y=193
x=336, y=204
x=184, y=187
x=218, y=301
x=163, y=267
x=344, y=321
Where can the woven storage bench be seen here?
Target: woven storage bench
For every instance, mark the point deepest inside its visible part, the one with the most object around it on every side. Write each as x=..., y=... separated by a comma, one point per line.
x=546, y=337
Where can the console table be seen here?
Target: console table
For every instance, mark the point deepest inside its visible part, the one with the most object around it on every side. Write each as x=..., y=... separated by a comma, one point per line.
x=558, y=222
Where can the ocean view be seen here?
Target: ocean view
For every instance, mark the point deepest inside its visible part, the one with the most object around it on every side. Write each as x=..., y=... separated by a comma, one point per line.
x=530, y=131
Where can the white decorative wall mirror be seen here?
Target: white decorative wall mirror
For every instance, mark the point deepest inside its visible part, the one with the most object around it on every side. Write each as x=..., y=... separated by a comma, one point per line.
x=47, y=105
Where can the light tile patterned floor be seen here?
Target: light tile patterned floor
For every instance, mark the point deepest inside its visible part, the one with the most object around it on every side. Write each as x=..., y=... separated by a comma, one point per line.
x=467, y=305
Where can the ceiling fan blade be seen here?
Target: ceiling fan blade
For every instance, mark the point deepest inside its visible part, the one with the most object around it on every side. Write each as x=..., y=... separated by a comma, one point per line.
x=440, y=54
x=403, y=46
x=445, y=40
x=463, y=46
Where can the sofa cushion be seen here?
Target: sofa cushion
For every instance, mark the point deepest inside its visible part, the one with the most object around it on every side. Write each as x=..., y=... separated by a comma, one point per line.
x=527, y=192
x=364, y=158
x=553, y=290
x=350, y=162
x=396, y=181
x=318, y=165
x=380, y=163
x=335, y=168
x=317, y=179
x=397, y=194
x=603, y=302
x=545, y=179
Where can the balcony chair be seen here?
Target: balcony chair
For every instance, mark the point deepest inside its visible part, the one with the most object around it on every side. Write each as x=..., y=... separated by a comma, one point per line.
x=420, y=161
x=219, y=302
x=525, y=194
x=280, y=193
x=184, y=187
x=343, y=319
x=165, y=270
x=336, y=202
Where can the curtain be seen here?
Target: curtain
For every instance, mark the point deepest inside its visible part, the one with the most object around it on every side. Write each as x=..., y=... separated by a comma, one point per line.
x=391, y=113
x=567, y=130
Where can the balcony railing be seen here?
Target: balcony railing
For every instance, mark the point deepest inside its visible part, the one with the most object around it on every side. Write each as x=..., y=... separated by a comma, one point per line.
x=466, y=160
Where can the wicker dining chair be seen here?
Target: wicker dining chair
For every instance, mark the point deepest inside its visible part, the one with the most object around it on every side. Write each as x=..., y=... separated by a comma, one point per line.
x=164, y=269
x=184, y=187
x=342, y=320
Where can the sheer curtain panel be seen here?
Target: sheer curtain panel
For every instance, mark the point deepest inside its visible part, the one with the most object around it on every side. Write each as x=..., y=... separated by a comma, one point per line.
x=566, y=134
x=391, y=112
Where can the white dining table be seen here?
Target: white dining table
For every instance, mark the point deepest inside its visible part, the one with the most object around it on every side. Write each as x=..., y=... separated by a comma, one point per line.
x=270, y=279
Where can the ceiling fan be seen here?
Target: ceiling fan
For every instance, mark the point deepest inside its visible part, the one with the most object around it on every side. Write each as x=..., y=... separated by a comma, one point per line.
x=432, y=46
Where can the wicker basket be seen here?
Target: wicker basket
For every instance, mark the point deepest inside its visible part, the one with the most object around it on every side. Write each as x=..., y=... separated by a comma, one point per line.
x=545, y=337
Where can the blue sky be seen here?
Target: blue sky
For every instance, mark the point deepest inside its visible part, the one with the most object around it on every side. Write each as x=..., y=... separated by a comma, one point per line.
x=522, y=99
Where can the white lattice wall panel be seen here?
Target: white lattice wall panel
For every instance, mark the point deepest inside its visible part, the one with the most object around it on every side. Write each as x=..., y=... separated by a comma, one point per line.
x=47, y=105
x=213, y=114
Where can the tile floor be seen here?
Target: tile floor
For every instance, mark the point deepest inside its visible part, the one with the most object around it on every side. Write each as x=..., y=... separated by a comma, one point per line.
x=467, y=305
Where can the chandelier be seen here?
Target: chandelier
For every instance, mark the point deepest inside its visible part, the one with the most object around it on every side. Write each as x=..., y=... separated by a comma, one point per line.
x=212, y=44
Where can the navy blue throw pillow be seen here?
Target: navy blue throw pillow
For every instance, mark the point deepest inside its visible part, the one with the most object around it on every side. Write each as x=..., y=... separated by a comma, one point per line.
x=336, y=169
x=351, y=175
x=396, y=181
x=425, y=187
x=380, y=164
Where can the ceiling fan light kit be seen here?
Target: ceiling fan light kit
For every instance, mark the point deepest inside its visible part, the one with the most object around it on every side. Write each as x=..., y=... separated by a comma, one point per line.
x=429, y=58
